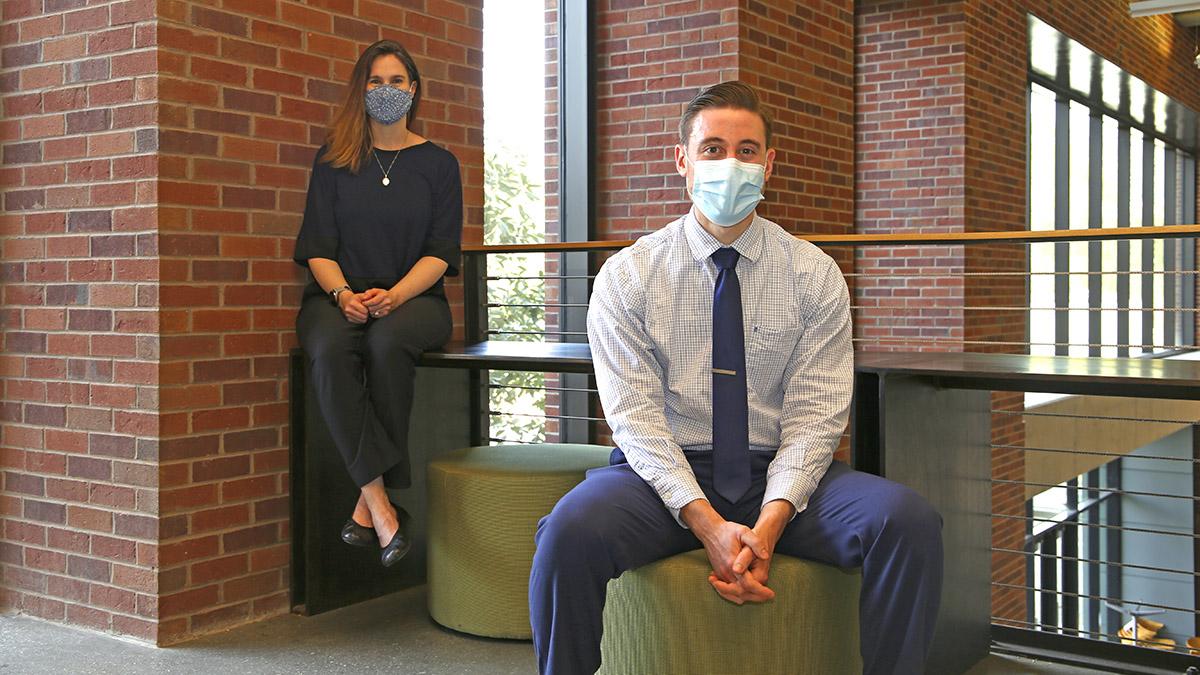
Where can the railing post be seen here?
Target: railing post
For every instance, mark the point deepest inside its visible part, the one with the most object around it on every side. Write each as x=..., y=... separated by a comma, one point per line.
x=1030, y=547
x=474, y=296
x=1091, y=543
x=1195, y=541
x=475, y=323
x=1111, y=515
x=1048, y=599
x=1070, y=568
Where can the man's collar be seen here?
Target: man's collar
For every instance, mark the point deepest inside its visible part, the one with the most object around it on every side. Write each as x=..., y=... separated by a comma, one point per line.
x=702, y=244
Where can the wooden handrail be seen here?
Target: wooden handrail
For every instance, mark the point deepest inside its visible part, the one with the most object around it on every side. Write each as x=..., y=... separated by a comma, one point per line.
x=907, y=239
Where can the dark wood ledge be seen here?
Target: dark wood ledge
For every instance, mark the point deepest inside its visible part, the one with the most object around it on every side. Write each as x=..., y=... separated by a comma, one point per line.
x=550, y=357
x=1142, y=377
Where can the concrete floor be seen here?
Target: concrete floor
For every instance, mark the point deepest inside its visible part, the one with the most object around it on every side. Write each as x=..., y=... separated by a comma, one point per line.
x=392, y=634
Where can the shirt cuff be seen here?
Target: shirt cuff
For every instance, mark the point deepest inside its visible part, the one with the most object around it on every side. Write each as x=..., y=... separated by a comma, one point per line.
x=793, y=486
x=678, y=489
x=675, y=515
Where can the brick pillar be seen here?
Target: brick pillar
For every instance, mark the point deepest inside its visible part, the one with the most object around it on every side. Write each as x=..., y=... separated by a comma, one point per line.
x=79, y=413
x=653, y=56
x=917, y=163
x=553, y=261
x=996, y=157
x=247, y=94
x=151, y=201
x=909, y=173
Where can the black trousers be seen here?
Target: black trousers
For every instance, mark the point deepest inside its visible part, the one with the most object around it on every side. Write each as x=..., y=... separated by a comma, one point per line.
x=363, y=379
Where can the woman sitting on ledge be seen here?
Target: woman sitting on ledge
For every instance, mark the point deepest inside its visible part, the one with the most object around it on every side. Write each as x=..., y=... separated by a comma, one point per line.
x=382, y=226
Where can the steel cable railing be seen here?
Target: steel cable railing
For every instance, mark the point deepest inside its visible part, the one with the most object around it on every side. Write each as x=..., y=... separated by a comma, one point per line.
x=1089, y=535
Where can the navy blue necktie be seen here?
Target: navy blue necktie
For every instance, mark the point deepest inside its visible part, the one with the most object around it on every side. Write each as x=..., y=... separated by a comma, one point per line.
x=731, y=418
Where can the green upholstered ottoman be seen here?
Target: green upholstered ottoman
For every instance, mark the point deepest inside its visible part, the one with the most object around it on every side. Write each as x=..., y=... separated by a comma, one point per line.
x=666, y=618
x=484, y=507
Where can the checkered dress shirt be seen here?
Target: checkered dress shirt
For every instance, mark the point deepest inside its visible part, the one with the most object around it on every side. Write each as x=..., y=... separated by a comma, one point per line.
x=650, y=329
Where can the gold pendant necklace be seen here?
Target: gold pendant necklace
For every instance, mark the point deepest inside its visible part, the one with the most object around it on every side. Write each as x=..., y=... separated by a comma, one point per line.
x=386, y=181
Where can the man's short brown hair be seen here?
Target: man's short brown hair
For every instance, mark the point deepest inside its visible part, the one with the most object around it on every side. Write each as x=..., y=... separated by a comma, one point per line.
x=732, y=94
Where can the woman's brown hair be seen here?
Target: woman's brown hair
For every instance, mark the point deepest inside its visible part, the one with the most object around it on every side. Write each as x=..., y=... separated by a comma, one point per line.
x=349, y=137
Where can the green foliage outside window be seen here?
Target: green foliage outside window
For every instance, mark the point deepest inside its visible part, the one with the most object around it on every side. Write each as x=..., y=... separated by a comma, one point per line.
x=512, y=214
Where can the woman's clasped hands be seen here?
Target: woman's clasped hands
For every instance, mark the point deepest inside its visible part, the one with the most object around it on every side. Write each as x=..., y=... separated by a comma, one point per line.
x=374, y=303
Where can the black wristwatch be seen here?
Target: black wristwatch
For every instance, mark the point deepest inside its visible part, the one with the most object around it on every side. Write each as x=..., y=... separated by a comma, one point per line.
x=333, y=294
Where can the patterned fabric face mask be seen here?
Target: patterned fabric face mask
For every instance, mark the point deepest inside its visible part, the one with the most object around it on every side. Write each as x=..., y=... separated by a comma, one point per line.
x=388, y=105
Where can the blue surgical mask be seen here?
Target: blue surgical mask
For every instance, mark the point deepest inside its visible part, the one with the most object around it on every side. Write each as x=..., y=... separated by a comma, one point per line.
x=727, y=190
x=388, y=105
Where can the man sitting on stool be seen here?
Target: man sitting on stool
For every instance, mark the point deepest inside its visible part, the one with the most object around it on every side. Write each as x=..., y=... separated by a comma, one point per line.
x=722, y=352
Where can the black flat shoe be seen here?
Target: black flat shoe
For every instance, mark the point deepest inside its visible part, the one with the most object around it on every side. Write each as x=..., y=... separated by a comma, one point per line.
x=400, y=544
x=357, y=535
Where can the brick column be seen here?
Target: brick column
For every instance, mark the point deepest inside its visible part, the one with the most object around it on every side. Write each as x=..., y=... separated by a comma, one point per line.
x=151, y=200
x=909, y=173
x=652, y=56
x=917, y=109
x=80, y=295
x=247, y=94
x=800, y=58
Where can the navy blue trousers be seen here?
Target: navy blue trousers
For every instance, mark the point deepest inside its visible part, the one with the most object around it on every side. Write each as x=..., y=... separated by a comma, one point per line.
x=614, y=521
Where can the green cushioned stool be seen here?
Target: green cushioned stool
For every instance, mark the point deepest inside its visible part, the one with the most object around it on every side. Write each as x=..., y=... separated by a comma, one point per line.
x=484, y=507
x=666, y=618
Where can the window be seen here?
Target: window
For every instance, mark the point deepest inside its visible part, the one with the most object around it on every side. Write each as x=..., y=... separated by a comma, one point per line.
x=537, y=93
x=515, y=176
x=1106, y=150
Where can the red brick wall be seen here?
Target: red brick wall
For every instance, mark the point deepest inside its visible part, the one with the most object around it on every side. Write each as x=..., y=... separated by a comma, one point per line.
x=800, y=58
x=144, y=440
x=652, y=57
x=996, y=200
x=913, y=115
x=247, y=93
x=909, y=177
x=78, y=422
x=550, y=182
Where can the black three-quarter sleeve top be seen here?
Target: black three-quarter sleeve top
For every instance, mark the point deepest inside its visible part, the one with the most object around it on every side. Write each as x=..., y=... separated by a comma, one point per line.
x=377, y=232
